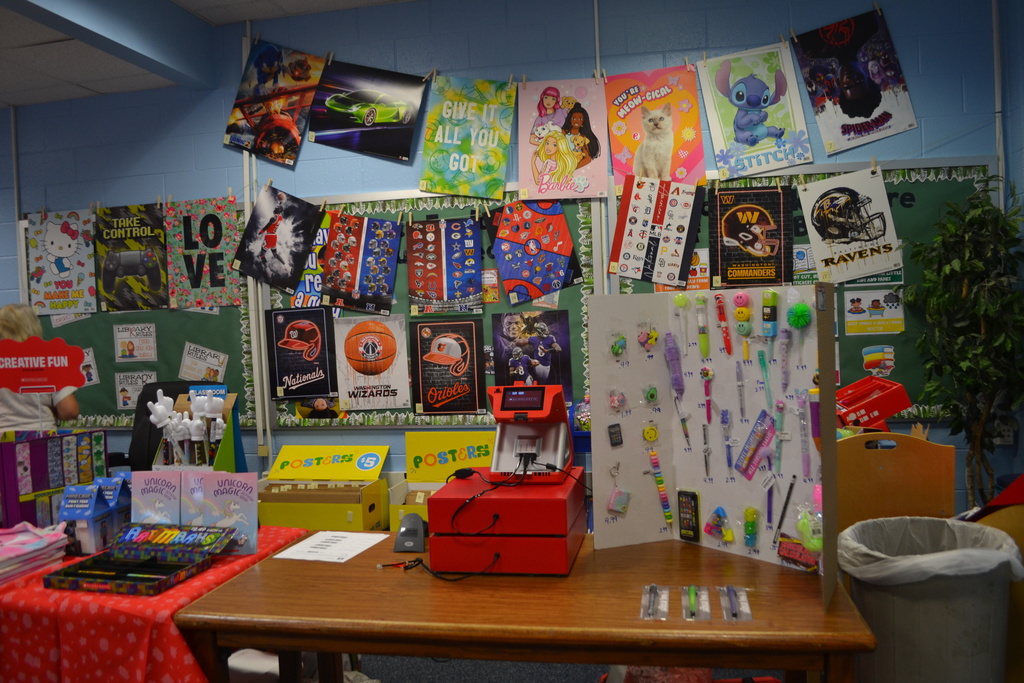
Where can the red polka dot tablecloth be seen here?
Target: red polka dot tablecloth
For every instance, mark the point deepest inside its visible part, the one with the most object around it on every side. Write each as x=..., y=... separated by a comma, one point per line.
x=76, y=636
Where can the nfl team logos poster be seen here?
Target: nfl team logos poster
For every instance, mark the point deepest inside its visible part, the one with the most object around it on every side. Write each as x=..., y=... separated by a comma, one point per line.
x=373, y=368
x=366, y=110
x=756, y=119
x=202, y=237
x=359, y=262
x=131, y=254
x=654, y=121
x=563, y=140
x=300, y=353
x=850, y=226
x=751, y=237
x=272, y=104
x=533, y=347
x=855, y=81
x=466, y=137
x=61, y=268
x=444, y=266
x=278, y=239
x=656, y=231
x=447, y=366
x=534, y=251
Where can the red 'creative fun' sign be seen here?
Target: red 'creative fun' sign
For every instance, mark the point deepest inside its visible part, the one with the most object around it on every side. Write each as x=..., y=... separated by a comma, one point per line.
x=37, y=366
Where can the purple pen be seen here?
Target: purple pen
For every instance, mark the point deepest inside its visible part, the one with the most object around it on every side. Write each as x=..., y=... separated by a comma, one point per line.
x=771, y=497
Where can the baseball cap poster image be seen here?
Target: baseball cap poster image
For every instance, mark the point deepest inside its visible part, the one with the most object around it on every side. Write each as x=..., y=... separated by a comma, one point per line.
x=373, y=370
x=447, y=373
x=300, y=349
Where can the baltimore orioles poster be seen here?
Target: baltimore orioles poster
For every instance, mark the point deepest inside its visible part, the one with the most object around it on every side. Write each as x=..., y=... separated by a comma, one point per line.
x=751, y=237
x=447, y=366
x=300, y=352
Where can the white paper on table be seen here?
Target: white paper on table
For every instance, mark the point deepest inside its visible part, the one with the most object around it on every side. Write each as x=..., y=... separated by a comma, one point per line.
x=331, y=546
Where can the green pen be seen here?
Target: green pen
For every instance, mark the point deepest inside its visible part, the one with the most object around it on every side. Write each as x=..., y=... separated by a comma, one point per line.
x=693, y=601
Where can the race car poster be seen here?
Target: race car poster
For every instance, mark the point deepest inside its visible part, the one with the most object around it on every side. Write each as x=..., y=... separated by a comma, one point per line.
x=300, y=354
x=366, y=110
x=534, y=251
x=444, y=259
x=656, y=231
x=563, y=140
x=373, y=368
x=61, y=268
x=850, y=227
x=755, y=116
x=654, y=121
x=855, y=81
x=202, y=237
x=272, y=104
x=751, y=237
x=447, y=366
x=533, y=347
x=131, y=257
x=359, y=262
x=277, y=239
x=466, y=136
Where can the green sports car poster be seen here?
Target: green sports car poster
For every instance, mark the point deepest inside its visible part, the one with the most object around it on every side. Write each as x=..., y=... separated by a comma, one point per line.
x=466, y=137
x=366, y=110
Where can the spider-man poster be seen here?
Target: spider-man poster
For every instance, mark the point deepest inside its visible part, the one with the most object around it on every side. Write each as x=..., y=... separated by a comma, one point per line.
x=447, y=370
x=300, y=352
x=751, y=237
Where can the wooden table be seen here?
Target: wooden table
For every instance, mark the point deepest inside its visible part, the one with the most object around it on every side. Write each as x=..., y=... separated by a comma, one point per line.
x=591, y=616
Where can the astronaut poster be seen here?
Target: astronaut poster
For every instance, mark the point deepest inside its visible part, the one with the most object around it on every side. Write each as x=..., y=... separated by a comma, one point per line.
x=563, y=140
x=654, y=122
x=850, y=226
x=533, y=347
x=278, y=239
x=373, y=368
x=300, y=354
x=272, y=104
x=755, y=116
x=61, y=269
x=855, y=81
x=202, y=237
x=466, y=136
x=447, y=366
x=751, y=236
x=444, y=266
x=131, y=257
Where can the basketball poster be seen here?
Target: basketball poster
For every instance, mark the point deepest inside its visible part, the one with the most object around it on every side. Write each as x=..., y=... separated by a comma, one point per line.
x=300, y=350
x=447, y=366
x=373, y=369
x=751, y=236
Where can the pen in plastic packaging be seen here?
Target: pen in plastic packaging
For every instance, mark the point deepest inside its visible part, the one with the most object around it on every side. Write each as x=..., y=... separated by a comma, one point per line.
x=675, y=370
x=692, y=592
x=763, y=362
x=739, y=389
x=784, y=357
x=723, y=323
x=702, y=326
x=770, y=318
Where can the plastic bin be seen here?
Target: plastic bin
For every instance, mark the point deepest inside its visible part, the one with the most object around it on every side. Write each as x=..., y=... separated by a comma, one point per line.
x=936, y=593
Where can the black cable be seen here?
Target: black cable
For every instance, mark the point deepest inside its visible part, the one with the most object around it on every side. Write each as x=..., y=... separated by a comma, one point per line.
x=461, y=576
x=494, y=486
x=549, y=466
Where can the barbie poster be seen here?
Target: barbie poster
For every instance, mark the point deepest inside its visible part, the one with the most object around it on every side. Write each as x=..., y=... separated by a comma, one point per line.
x=563, y=140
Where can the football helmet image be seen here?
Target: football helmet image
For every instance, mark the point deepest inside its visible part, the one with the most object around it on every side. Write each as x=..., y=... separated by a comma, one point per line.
x=843, y=215
x=748, y=226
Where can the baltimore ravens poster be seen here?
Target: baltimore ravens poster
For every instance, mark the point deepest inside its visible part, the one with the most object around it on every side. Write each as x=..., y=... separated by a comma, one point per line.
x=373, y=368
x=447, y=370
x=300, y=352
x=363, y=109
x=751, y=236
x=278, y=239
x=850, y=226
x=533, y=347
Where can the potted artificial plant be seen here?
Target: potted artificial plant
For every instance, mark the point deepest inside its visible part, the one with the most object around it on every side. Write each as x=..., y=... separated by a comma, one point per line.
x=973, y=342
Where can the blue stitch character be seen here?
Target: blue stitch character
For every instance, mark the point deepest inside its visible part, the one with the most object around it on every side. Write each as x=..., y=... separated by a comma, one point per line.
x=751, y=96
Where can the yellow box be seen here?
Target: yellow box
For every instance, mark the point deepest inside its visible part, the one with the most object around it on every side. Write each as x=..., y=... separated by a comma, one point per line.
x=326, y=488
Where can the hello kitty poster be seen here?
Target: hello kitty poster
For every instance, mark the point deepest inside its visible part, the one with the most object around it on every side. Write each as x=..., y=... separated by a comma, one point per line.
x=654, y=122
x=61, y=269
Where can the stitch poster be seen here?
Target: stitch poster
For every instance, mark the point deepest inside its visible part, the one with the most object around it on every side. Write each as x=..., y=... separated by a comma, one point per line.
x=654, y=121
x=202, y=236
x=61, y=269
x=855, y=82
x=563, y=140
x=756, y=119
x=466, y=137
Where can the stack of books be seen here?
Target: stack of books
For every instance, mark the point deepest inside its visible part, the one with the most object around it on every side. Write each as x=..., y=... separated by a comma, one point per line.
x=25, y=548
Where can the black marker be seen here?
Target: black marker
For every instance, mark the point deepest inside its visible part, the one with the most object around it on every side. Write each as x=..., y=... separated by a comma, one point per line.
x=785, y=505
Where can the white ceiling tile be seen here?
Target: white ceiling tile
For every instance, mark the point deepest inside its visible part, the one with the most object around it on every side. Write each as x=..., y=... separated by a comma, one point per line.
x=56, y=93
x=127, y=83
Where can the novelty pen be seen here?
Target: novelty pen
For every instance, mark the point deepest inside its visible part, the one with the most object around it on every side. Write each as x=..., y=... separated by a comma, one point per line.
x=682, y=302
x=675, y=369
x=692, y=593
x=707, y=452
x=763, y=362
x=780, y=417
x=723, y=323
x=805, y=446
x=666, y=507
x=770, y=318
x=731, y=593
x=742, y=314
x=784, y=359
x=727, y=433
x=702, y=326
x=707, y=374
x=739, y=389
x=785, y=506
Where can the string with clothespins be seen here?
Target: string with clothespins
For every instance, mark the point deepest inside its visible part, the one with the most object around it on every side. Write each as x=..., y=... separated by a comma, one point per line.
x=432, y=74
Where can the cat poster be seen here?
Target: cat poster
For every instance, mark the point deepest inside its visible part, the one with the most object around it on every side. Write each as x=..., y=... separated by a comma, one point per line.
x=855, y=81
x=466, y=137
x=359, y=262
x=850, y=226
x=373, y=367
x=447, y=366
x=754, y=111
x=202, y=237
x=366, y=110
x=654, y=122
x=131, y=254
x=272, y=103
x=751, y=236
x=656, y=231
x=563, y=140
x=277, y=239
x=61, y=268
x=444, y=259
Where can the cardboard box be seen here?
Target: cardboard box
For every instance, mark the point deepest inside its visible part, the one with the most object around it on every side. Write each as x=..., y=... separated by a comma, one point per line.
x=431, y=458
x=326, y=488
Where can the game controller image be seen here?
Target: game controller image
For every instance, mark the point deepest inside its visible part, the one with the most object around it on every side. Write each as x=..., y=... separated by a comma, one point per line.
x=139, y=263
